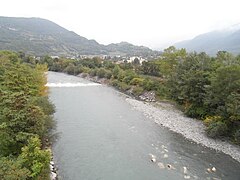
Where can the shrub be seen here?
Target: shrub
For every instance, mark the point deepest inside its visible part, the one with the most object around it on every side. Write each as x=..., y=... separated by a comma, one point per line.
x=108, y=74
x=195, y=111
x=12, y=169
x=101, y=73
x=211, y=119
x=93, y=72
x=149, y=85
x=137, y=91
x=217, y=129
x=84, y=69
x=123, y=86
x=137, y=81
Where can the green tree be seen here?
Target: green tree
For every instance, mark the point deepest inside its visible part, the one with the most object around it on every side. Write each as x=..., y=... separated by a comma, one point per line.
x=188, y=84
x=11, y=169
x=33, y=158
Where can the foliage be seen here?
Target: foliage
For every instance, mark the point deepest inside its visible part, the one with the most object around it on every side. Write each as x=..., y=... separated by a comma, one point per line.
x=137, y=81
x=137, y=90
x=12, y=169
x=33, y=158
x=211, y=119
x=25, y=112
x=188, y=84
x=101, y=72
x=217, y=129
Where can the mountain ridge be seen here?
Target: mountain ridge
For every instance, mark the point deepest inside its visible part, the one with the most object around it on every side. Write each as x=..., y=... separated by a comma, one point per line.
x=39, y=36
x=227, y=39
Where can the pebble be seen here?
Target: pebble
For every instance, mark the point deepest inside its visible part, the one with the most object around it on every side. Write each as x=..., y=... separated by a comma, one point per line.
x=165, y=150
x=187, y=177
x=170, y=166
x=165, y=156
x=213, y=169
x=185, y=170
x=53, y=176
x=153, y=160
x=209, y=170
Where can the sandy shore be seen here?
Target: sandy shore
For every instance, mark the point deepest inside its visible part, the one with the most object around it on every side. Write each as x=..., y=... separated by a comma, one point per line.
x=166, y=115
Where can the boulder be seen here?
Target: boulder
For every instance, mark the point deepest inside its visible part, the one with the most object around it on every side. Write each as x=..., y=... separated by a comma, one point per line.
x=53, y=176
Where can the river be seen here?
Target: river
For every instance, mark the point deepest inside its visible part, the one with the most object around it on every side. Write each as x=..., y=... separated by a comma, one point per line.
x=102, y=137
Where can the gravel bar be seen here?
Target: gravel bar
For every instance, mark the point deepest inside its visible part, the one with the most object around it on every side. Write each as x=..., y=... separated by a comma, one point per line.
x=166, y=115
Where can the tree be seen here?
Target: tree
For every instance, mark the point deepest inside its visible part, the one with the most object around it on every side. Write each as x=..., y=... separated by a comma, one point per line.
x=33, y=158
x=11, y=169
x=136, y=61
x=188, y=84
x=223, y=93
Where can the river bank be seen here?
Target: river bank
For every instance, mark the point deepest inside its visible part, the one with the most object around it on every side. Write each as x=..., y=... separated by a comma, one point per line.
x=168, y=116
x=165, y=114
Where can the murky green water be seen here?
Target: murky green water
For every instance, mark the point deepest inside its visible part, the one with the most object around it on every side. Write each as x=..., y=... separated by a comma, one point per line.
x=101, y=137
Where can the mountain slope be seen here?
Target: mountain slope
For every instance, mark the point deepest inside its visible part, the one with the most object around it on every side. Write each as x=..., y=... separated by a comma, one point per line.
x=223, y=40
x=40, y=37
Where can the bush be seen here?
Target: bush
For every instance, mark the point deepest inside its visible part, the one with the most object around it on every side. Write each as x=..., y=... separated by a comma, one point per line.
x=137, y=81
x=12, y=169
x=108, y=74
x=84, y=69
x=137, y=91
x=93, y=72
x=195, y=111
x=114, y=83
x=101, y=73
x=123, y=86
x=211, y=119
x=149, y=85
x=217, y=129
x=162, y=90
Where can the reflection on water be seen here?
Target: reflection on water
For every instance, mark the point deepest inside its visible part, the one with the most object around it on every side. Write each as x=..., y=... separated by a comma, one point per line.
x=103, y=137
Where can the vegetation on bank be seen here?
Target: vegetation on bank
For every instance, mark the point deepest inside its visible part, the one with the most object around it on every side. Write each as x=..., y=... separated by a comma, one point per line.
x=207, y=88
x=25, y=118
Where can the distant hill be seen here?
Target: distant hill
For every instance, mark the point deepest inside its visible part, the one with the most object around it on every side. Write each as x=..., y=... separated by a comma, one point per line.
x=40, y=37
x=227, y=39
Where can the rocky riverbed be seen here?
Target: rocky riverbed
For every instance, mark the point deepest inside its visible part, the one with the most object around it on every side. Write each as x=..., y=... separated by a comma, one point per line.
x=168, y=116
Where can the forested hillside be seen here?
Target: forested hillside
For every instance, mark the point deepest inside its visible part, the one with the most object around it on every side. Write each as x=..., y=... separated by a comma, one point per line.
x=38, y=37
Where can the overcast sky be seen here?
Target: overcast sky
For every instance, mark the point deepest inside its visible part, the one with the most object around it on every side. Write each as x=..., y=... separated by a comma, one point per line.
x=153, y=23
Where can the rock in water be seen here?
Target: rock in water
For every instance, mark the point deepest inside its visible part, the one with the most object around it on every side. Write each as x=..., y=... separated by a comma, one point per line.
x=153, y=160
x=209, y=170
x=185, y=170
x=53, y=176
x=165, y=156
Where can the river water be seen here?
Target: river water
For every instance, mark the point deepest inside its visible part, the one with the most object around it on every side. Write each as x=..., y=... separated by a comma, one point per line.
x=101, y=137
